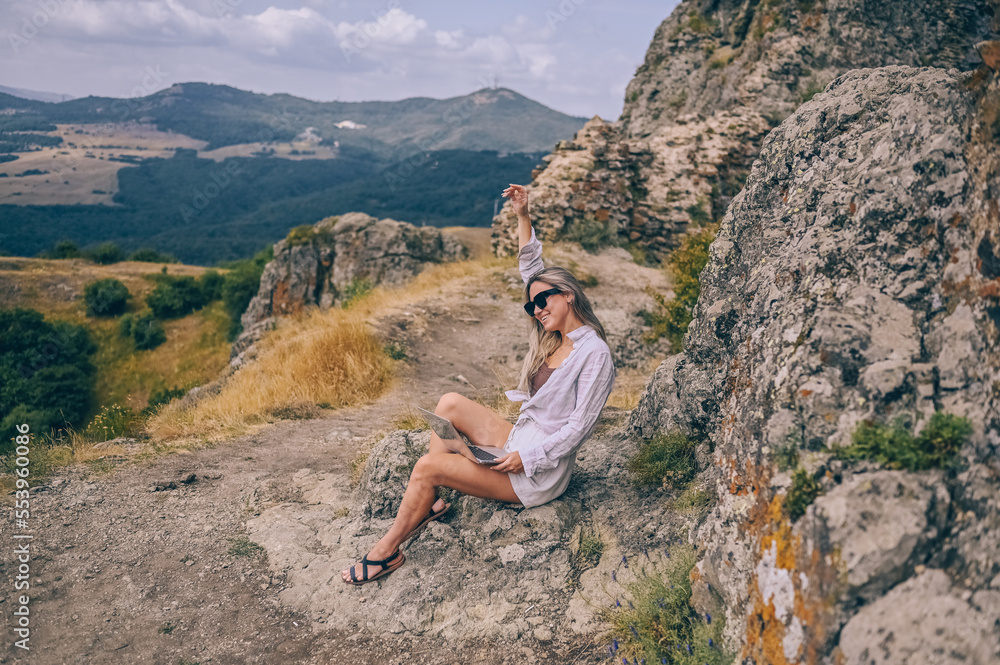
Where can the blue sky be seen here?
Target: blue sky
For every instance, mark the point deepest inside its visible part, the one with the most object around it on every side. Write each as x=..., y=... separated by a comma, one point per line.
x=575, y=56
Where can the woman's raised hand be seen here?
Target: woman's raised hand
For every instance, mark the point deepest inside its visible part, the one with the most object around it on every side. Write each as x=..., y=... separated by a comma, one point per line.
x=518, y=196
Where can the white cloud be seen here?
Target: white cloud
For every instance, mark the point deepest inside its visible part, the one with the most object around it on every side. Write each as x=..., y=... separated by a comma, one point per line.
x=539, y=60
x=449, y=40
x=332, y=49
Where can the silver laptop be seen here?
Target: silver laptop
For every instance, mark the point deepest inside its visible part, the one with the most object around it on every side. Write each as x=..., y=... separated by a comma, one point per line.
x=458, y=442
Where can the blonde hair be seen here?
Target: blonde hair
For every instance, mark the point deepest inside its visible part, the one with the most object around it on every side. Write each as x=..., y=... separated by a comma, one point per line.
x=542, y=342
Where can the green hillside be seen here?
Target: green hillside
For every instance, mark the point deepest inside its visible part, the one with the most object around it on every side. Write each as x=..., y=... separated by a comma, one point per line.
x=438, y=162
x=488, y=119
x=165, y=203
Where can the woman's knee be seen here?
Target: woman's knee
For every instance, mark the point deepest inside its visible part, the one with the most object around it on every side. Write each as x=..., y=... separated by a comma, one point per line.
x=427, y=468
x=448, y=404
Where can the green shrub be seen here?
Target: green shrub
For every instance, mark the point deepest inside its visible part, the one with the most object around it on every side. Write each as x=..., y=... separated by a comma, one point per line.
x=65, y=249
x=106, y=253
x=786, y=455
x=666, y=459
x=699, y=216
x=106, y=297
x=163, y=396
x=803, y=491
x=211, y=282
x=300, y=235
x=174, y=297
x=592, y=234
x=46, y=377
x=894, y=447
x=240, y=286
x=684, y=265
x=638, y=252
x=146, y=331
x=395, y=350
x=661, y=625
x=356, y=289
x=812, y=89
x=150, y=255
x=701, y=24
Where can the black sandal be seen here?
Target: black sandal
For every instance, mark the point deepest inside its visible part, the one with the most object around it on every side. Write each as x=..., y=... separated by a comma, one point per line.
x=431, y=516
x=386, y=568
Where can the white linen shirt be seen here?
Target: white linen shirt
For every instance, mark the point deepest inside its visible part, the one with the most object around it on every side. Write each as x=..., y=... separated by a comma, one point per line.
x=570, y=401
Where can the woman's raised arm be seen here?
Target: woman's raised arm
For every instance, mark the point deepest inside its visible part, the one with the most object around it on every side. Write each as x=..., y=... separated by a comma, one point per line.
x=518, y=196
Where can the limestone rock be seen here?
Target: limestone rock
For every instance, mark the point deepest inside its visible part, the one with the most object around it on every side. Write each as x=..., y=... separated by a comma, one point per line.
x=844, y=285
x=388, y=470
x=882, y=525
x=318, y=269
x=485, y=565
x=922, y=621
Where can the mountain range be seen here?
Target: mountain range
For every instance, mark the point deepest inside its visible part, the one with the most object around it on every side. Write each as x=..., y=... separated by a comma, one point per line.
x=133, y=170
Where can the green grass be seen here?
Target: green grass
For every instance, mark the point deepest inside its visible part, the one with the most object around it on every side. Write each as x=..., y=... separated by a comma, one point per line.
x=243, y=546
x=590, y=547
x=355, y=290
x=661, y=625
x=694, y=497
x=667, y=460
x=112, y=422
x=395, y=350
x=893, y=446
x=803, y=492
x=812, y=89
x=786, y=455
x=672, y=317
x=592, y=234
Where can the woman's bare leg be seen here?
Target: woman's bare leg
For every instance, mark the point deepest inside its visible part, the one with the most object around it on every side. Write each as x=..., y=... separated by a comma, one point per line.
x=480, y=424
x=433, y=470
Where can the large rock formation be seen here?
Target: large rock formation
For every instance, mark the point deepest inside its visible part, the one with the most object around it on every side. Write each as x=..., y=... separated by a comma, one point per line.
x=854, y=278
x=320, y=266
x=718, y=75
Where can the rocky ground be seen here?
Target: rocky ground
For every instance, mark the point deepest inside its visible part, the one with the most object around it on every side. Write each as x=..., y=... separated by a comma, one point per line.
x=122, y=573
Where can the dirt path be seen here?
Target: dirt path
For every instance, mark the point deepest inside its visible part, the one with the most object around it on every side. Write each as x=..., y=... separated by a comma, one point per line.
x=123, y=574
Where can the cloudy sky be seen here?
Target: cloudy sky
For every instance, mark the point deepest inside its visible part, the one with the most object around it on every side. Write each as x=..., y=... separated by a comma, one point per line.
x=575, y=56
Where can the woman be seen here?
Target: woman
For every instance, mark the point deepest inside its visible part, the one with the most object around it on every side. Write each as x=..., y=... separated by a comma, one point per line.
x=564, y=383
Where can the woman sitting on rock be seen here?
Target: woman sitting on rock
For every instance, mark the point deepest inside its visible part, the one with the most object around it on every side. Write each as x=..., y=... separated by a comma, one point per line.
x=564, y=384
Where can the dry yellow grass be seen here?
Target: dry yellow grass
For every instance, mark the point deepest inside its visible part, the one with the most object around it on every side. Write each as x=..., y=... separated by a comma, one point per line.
x=324, y=358
x=328, y=358
x=629, y=385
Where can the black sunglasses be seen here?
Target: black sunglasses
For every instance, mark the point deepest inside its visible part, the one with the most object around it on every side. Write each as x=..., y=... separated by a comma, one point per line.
x=539, y=301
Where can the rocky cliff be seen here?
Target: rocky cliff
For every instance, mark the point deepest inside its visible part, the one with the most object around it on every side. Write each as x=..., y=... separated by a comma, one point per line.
x=323, y=265
x=854, y=279
x=718, y=75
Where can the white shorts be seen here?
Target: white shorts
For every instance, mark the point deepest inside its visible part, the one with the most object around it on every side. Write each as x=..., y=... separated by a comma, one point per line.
x=546, y=484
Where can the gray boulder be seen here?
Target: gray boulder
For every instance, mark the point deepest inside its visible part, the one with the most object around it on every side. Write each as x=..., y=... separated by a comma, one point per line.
x=924, y=621
x=320, y=268
x=851, y=280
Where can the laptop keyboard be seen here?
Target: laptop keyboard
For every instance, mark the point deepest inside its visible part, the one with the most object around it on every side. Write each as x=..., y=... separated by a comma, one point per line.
x=481, y=454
